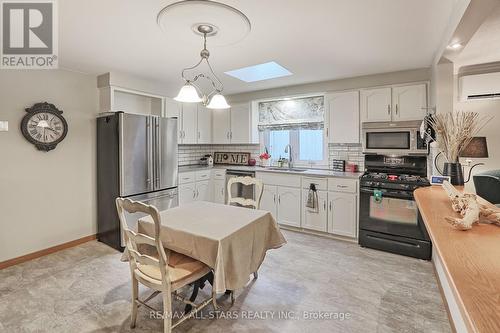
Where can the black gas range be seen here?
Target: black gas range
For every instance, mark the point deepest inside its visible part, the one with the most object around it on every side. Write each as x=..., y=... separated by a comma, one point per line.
x=389, y=219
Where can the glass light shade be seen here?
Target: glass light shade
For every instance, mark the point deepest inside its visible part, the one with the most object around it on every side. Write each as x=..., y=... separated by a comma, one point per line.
x=218, y=102
x=188, y=94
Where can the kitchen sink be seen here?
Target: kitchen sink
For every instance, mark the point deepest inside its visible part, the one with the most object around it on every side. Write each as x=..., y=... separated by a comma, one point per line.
x=287, y=169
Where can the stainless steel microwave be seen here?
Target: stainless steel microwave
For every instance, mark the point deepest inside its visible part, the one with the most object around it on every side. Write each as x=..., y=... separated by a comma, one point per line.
x=393, y=138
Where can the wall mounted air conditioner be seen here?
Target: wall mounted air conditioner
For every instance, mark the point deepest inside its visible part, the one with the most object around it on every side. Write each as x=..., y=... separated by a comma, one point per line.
x=479, y=86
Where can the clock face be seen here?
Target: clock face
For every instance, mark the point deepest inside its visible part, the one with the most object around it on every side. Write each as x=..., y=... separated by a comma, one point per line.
x=45, y=127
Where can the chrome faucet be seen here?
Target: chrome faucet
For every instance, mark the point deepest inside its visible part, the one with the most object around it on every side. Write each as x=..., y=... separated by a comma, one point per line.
x=288, y=148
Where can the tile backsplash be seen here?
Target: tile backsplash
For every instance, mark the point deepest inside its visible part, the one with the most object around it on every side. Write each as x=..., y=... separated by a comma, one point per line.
x=191, y=154
x=348, y=152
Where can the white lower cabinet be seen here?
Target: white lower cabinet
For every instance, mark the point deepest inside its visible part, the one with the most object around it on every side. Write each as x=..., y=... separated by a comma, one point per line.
x=187, y=193
x=342, y=208
x=203, y=191
x=315, y=220
x=283, y=203
x=289, y=206
x=268, y=201
x=219, y=191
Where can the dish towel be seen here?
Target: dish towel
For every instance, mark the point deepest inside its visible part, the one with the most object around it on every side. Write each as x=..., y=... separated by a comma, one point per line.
x=312, y=199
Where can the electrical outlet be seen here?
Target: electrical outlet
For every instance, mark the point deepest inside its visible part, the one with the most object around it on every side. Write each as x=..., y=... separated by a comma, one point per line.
x=4, y=126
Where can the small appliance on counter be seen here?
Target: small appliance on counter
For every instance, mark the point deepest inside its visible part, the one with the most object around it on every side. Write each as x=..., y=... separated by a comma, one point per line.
x=389, y=219
x=338, y=165
x=207, y=160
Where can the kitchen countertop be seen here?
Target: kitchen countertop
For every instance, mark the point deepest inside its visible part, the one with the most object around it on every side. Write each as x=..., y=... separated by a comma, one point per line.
x=469, y=260
x=307, y=172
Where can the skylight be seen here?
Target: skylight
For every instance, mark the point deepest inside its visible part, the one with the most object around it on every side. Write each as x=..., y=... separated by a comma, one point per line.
x=265, y=71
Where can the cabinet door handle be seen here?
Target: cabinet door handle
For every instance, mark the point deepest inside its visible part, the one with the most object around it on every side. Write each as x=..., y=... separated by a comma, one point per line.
x=199, y=135
x=388, y=109
x=274, y=198
x=327, y=132
x=342, y=186
x=324, y=205
x=227, y=135
x=279, y=199
x=194, y=194
x=330, y=206
x=396, y=109
x=231, y=135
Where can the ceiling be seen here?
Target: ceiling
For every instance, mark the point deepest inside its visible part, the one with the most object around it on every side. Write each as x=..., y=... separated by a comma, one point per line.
x=483, y=47
x=317, y=40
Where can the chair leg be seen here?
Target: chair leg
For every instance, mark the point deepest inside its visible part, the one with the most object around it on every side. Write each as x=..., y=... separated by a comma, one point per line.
x=214, y=298
x=167, y=312
x=135, y=295
x=255, y=275
x=232, y=297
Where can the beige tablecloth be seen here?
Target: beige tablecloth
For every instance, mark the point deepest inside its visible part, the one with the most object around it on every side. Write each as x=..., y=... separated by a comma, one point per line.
x=231, y=240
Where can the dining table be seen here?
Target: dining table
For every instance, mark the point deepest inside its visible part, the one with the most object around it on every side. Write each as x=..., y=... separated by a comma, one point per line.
x=231, y=240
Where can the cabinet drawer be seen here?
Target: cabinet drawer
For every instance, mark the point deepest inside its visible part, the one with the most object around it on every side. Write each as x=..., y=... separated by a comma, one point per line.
x=203, y=175
x=321, y=183
x=270, y=178
x=186, y=177
x=219, y=174
x=343, y=185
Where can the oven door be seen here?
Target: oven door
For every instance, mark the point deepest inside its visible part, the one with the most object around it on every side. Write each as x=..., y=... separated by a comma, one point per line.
x=393, y=213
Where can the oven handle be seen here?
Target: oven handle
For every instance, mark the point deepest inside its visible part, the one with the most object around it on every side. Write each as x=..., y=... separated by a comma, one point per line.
x=387, y=194
x=407, y=244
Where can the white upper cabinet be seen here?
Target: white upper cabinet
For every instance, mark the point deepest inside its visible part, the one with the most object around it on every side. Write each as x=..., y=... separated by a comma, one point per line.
x=396, y=103
x=189, y=131
x=343, y=117
x=221, y=126
x=376, y=104
x=174, y=109
x=204, y=135
x=409, y=102
x=240, y=123
x=233, y=125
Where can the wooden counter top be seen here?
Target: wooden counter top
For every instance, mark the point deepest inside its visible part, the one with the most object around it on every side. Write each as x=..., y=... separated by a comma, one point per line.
x=471, y=260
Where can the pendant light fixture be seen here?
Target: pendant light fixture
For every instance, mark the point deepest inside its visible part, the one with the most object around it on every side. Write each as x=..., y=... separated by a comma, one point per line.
x=179, y=20
x=190, y=92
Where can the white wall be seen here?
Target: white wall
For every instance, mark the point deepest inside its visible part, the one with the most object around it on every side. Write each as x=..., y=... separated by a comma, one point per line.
x=414, y=75
x=47, y=198
x=489, y=108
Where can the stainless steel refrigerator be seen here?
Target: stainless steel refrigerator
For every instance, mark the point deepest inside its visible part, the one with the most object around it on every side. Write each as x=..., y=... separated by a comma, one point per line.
x=136, y=159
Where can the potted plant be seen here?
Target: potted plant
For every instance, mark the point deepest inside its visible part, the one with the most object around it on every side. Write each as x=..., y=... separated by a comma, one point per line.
x=454, y=131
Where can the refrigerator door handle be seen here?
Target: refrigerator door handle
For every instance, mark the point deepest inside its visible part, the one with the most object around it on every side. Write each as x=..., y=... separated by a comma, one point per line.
x=150, y=148
x=158, y=154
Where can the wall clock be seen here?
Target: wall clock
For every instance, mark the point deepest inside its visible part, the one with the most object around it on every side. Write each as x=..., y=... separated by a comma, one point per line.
x=44, y=126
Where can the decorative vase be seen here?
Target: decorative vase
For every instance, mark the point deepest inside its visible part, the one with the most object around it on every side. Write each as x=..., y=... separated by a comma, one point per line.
x=265, y=163
x=454, y=171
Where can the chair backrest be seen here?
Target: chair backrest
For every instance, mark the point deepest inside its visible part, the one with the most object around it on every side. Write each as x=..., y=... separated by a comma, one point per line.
x=248, y=181
x=133, y=239
x=487, y=186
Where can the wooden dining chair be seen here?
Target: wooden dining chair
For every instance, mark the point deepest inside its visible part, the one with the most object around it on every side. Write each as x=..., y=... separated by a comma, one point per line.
x=248, y=181
x=255, y=203
x=165, y=273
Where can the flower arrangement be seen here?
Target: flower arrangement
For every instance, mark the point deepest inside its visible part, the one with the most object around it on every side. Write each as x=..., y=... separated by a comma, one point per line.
x=455, y=130
x=265, y=158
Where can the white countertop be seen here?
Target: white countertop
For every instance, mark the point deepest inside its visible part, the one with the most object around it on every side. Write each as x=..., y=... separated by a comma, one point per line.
x=307, y=172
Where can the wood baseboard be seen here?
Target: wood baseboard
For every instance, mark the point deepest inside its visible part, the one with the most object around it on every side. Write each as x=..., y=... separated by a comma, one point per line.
x=44, y=252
